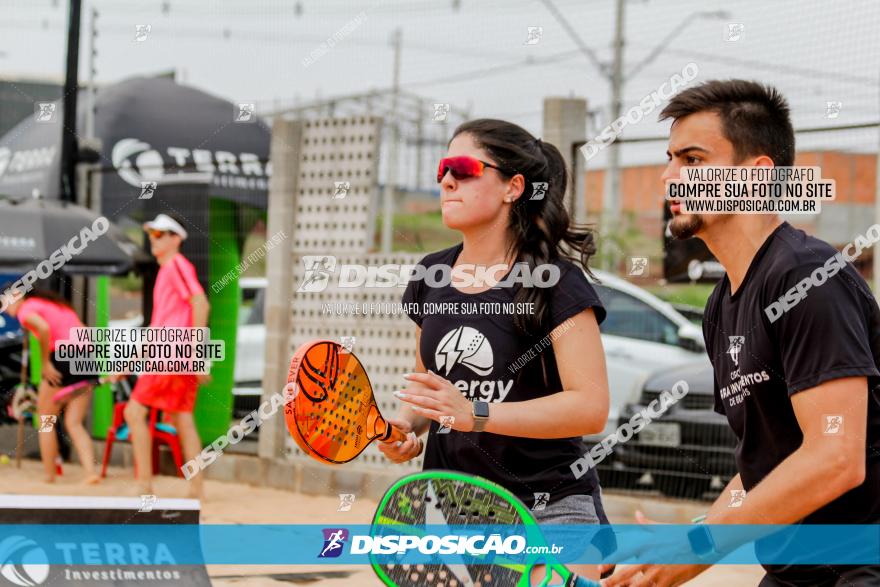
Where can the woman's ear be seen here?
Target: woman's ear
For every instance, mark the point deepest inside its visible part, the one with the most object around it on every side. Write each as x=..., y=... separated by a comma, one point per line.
x=515, y=188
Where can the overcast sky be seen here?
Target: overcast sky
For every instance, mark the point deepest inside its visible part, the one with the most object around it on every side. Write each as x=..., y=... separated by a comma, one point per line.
x=475, y=56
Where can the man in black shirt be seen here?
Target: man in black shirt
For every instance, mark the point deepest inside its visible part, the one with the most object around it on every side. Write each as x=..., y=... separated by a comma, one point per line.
x=796, y=374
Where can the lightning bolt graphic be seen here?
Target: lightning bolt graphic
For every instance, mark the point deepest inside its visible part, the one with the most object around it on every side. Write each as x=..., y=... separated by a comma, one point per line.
x=451, y=355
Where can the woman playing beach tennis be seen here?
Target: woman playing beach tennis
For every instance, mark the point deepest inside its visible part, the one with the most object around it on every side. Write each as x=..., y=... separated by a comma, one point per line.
x=515, y=391
x=49, y=317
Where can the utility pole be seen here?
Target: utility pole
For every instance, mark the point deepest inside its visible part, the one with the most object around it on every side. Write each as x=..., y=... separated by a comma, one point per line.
x=88, y=183
x=69, y=138
x=69, y=142
x=420, y=139
x=611, y=197
x=90, y=94
x=874, y=251
x=391, y=175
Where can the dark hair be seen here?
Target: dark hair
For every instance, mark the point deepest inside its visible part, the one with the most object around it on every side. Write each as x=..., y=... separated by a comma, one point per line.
x=754, y=118
x=540, y=228
x=43, y=294
x=49, y=296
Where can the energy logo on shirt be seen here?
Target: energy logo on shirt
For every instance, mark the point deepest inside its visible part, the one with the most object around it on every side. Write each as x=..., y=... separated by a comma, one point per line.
x=469, y=347
x=465, y=346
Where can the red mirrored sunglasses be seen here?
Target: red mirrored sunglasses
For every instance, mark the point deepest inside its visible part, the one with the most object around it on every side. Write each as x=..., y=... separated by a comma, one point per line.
x=465, y=167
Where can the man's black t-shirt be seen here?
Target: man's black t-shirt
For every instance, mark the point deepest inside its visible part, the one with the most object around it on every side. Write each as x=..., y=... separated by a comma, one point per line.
x=483, y=354
x=763, y=357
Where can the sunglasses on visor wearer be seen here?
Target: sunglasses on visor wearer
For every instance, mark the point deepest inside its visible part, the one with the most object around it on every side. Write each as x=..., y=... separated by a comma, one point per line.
x=466, y=167
x=157, y=233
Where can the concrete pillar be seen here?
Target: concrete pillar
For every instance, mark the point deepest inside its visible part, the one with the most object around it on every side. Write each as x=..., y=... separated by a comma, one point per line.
x=283, y=195
x=565, y=124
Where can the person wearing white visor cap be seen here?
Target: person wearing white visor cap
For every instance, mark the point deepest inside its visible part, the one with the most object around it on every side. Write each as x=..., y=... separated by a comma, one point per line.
x=178, y=302
x=165, y=223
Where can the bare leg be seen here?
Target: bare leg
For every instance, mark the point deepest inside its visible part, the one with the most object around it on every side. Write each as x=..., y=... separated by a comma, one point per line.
x=48, y=442
x=191, y=446
x=136, y=418
x=82, y=441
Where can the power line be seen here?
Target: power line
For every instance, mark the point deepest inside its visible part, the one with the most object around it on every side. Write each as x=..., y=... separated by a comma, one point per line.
x=585, y=49
x=261, y=36
x=774, y=67
x=819, y=129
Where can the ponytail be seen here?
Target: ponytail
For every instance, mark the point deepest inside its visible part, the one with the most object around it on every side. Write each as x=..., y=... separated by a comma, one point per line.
x=540, y=226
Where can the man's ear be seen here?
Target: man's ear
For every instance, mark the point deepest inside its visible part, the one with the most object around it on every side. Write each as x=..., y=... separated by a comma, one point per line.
x=763, y=161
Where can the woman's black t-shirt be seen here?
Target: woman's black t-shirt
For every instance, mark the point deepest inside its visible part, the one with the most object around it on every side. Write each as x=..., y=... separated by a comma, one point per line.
x=478, y=348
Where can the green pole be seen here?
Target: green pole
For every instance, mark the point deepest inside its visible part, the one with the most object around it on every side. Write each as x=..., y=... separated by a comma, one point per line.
x=213, y=410
x=102, y=399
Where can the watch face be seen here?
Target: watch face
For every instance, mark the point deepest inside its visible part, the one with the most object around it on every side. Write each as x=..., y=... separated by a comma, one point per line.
x=701, y=541
x=481, y=409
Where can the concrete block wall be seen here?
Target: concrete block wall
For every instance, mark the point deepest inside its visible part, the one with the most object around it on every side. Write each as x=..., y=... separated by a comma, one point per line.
x=309, y=158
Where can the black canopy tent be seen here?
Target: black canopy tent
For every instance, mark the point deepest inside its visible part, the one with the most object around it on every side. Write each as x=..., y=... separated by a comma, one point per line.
x=151, y=130
x=32, y=230
x=166, y=148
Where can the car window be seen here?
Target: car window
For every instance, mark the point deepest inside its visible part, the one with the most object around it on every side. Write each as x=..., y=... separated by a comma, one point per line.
x=630, y=317
x=251, y=310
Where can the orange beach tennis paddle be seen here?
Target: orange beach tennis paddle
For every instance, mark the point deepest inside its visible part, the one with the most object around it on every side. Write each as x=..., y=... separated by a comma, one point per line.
x=333, y=415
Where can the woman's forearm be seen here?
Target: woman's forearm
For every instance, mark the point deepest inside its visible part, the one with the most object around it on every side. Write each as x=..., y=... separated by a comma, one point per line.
x=36, y=325
x=419, y=423
x=561, y=415
x=45, y=345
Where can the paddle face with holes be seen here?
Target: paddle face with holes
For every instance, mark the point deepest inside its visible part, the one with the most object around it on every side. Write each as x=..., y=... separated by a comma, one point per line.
x=333, y=415
x=446, y=498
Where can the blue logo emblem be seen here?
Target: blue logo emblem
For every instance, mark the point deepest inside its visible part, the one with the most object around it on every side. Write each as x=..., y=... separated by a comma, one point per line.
x=334, y=542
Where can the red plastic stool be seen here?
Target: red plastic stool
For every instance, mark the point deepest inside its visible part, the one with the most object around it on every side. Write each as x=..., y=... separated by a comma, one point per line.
x=160, y=432
x=163, y=433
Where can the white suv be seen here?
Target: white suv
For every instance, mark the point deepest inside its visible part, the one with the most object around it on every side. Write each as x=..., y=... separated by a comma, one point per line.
x=641, y=334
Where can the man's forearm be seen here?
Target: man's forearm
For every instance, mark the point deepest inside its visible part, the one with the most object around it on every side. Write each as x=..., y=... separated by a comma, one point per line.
x=800, y=485
x=723, y=501
x=201, y=310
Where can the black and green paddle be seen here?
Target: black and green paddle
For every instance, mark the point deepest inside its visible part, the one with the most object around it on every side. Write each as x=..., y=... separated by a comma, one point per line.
x=446, y=498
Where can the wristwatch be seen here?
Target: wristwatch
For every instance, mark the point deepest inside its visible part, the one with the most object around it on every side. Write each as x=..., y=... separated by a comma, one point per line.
x=702, y=542
x=481, y=416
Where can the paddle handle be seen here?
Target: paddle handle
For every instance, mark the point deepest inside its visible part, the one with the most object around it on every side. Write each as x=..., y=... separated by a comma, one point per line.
x=380, y=429
x=396, y=435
